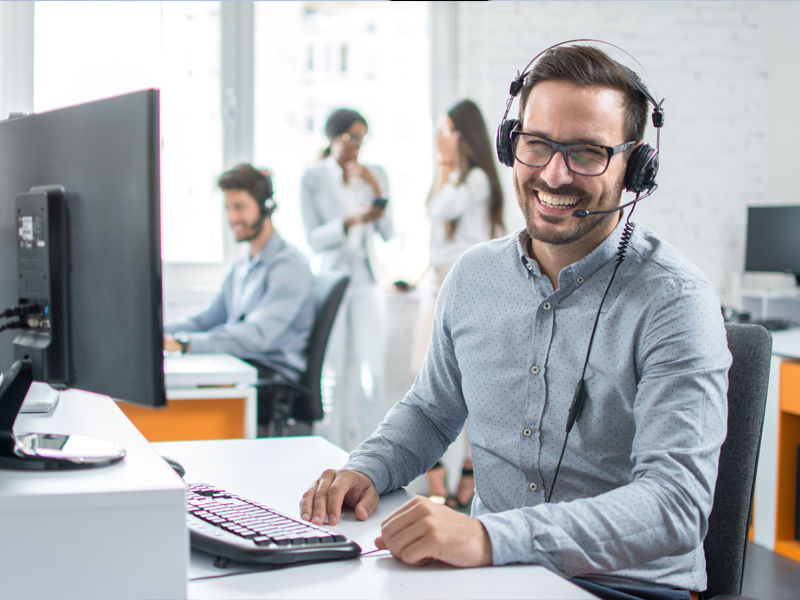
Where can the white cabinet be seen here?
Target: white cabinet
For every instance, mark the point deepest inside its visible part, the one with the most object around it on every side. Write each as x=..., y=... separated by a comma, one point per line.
x=112, y=532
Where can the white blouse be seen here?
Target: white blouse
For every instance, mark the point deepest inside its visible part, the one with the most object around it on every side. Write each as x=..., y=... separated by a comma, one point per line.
x=469, y=203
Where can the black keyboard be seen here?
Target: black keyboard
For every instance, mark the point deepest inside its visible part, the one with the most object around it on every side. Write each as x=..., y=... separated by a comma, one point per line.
x=226, y=525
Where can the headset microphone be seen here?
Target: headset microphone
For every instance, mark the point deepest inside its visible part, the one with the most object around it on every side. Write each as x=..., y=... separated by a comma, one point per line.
x=582, y=214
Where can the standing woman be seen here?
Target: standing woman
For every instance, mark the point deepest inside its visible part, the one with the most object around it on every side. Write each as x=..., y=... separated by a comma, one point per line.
x=466, y=207
x=344, y=204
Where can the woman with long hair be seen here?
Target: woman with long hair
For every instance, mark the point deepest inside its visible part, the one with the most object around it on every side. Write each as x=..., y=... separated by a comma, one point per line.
x=465, y=205
x=344, y=203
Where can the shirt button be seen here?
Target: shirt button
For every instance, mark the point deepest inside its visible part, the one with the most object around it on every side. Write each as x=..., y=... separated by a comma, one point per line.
x=535, y=370
x=581, y=280
x=529, y=266
x=533, y=487
x=547, y=306
x=527, y=432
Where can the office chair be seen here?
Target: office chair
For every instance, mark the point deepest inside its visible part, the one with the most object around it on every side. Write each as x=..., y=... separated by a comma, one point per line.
x=728, y=525
x=302, y=402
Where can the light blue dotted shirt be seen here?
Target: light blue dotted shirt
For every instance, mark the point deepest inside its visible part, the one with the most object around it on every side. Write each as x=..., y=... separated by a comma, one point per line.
x=264, y=311
x=636, y=484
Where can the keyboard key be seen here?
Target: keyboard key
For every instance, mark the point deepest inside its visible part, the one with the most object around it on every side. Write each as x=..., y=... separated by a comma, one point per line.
x=233, y=527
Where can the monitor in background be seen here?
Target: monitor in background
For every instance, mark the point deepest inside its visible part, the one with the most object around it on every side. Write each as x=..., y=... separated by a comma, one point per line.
x=773, y=240
x=85, y=177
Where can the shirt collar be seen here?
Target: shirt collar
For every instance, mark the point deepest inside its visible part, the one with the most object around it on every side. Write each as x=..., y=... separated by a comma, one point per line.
x=585, y=267
x=274, y=245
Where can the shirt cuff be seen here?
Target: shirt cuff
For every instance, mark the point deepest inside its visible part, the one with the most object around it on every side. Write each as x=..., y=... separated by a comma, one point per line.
x=200, y=343
x=511, y=539
x=372, y=467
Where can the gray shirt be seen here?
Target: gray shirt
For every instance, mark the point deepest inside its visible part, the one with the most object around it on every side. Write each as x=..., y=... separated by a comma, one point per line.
x=636, y=484
x=264, y=311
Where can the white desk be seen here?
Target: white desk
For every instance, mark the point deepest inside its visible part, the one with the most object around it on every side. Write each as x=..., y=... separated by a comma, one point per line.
x=209, y=370
x=110, y=532
x=277, y=471
x=209, y=396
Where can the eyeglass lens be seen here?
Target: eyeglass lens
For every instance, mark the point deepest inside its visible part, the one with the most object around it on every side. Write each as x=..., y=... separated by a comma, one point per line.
x=348, y=138
x=583, y=159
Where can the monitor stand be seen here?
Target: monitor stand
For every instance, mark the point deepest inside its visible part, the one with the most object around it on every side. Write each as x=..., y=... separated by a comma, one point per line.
x=44, y=451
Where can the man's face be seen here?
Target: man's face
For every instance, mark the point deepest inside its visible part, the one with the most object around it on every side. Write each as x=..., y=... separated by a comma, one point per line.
x=566, y=112
x=244, y=215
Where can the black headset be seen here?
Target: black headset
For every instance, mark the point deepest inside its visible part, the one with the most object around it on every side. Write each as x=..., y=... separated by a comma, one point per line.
x=642, y=168
x=267, y=204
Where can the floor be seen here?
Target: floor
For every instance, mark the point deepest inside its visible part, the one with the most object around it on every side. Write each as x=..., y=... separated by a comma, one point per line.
x=770, y=576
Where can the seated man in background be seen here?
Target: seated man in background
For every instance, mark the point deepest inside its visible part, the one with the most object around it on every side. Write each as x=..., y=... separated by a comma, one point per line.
x=628, y=507
x=265, y=310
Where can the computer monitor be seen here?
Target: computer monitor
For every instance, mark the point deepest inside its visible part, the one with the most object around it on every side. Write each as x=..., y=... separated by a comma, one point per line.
x=773, y=240
x=107, y=332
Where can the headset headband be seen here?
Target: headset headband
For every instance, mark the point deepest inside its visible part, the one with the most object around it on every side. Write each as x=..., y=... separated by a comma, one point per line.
x=658, y=111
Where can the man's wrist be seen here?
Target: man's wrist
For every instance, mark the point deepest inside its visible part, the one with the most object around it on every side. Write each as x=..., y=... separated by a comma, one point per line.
x=487, y=554
x=184, y=342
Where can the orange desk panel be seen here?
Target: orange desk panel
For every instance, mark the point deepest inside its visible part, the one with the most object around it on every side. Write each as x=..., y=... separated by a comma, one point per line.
x=186, y=420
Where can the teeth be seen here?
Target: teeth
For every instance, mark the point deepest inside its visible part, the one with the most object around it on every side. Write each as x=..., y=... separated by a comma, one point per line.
x=557, y=201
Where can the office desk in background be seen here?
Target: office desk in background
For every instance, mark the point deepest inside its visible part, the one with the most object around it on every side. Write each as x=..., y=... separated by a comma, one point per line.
x=774, y=510
x=277, y=471
x=209, y=397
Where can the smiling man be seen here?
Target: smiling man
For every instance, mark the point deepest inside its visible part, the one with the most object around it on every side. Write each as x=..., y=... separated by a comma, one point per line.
x=265, y=310
x=628, y=506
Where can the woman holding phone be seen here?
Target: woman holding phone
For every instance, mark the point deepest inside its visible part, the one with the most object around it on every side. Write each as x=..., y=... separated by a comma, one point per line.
x=344, y=203
x=465, y=205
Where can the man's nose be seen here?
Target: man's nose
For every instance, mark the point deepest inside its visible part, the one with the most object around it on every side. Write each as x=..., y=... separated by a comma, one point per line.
x=556, y=173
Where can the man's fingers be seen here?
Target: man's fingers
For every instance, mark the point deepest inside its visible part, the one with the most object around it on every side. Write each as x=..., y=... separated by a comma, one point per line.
x=339, y=489
x=307, y=502
x=416, y=554
x=367, y=504
x=319, y=497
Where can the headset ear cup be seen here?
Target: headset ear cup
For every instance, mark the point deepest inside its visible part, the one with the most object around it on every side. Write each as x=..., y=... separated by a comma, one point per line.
x=642, y=169
x=505, y=154
x=269, y=207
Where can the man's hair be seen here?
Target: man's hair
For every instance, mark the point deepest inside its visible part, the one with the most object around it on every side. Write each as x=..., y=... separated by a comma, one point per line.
x=246, y=177
x=587, y=65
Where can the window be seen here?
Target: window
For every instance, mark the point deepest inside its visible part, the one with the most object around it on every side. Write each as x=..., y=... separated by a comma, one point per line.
x=382, y=71
x=110, y=48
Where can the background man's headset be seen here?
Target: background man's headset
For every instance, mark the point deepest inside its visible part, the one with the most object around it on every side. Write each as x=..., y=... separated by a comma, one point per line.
x=640, y=178
x=267, y=204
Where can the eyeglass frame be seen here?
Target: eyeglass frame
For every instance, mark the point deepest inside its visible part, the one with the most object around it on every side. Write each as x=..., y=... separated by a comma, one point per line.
x=558, y=147
x=349, y=138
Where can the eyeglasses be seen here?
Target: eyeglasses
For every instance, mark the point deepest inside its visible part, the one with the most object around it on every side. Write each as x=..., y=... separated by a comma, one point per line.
x=583, y=159
x=348, y=138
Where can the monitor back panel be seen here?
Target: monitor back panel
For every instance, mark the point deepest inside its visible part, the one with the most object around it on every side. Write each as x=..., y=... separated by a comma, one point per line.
x=106, y=155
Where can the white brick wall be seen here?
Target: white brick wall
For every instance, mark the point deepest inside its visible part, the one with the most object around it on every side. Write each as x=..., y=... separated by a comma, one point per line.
x=712, y=63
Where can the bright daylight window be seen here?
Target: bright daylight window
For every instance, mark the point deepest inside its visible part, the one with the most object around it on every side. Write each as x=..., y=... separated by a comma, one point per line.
x=313, y=57
x=111, y=48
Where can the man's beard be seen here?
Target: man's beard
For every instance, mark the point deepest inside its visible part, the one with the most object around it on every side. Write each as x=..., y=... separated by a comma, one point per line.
x=581, y=226
x=254, y=230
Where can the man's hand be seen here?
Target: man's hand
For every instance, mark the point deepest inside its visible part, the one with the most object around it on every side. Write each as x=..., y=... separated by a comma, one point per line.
x=421, y=531
x=327, y=494
x=171, y=344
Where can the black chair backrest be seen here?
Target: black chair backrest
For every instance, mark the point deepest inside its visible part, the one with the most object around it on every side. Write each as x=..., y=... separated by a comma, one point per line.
x=328, y=292
x=748, y=378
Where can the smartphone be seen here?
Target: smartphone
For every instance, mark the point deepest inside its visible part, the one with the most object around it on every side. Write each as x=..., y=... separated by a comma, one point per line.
x=380, y=203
